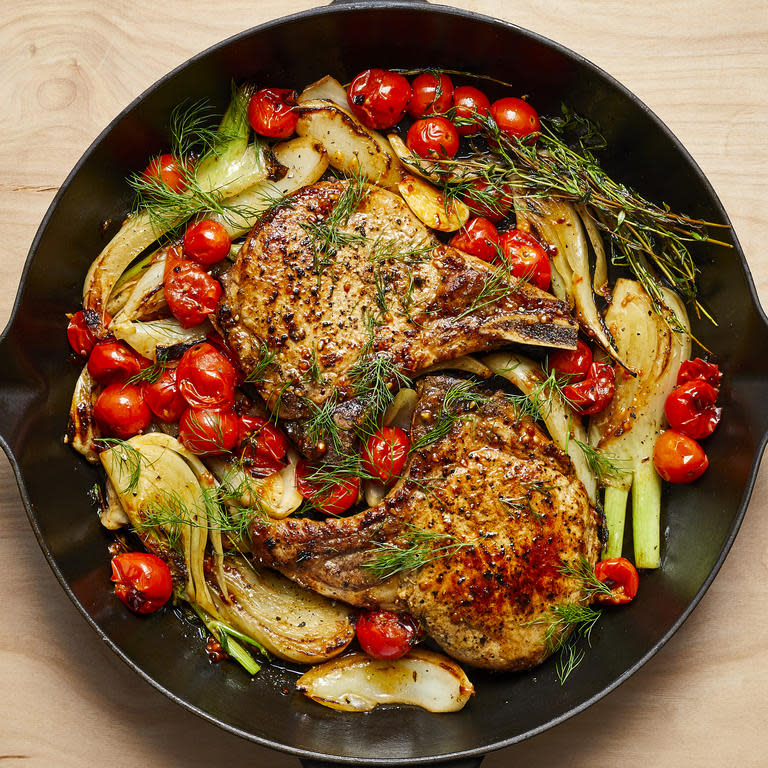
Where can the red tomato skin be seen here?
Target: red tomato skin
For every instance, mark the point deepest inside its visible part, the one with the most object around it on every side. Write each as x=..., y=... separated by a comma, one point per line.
x=207, y=242
x=621, y=576
x=593, y=394
x=678, y=458
x=208, y=432
x=700, y=369
x=168, y=170
x=206, y=378
x=163, y=396
x=494, y=210
x=690, y=409
x=263, y=438
x=142, y=581
x=121, y=410
x=271, y=112
x=479, y=237
x=113, y=361
x=433, y=137
x=516, y=118
x=332, y=502
x=378, y=98
x=386, y=634
x=385, y=453
x=80, y=332
x=470, y=103
x=192, y=294
x=573, y=363
x=430, y=94
x=527, y=258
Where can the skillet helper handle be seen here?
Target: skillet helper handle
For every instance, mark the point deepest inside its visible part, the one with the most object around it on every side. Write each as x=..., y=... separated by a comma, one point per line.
x=349, y=2
x=18, y=389
x=467, y=762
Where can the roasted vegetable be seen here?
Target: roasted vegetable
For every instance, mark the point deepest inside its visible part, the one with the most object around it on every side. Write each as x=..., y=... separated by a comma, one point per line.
x=431, y=206
x=82, y=430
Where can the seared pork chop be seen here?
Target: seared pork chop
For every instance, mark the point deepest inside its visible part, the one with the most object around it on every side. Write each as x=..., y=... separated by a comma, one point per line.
x=488, y=514
x=343, y=270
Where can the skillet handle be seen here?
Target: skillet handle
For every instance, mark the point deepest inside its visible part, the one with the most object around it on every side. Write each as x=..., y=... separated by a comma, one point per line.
x=467, y=762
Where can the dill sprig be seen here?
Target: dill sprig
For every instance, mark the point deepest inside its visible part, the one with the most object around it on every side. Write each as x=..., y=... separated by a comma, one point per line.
x=130, y=459
x=538, y=403
x=376, y=378
x=320, y=427
x=497, y=284
x=602, y=465
x=267, y=359
x=584, y=573
x=152, y=373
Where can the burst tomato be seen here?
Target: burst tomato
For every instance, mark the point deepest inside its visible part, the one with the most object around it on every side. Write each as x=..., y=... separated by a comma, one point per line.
x=113, y=361
x=472, y=106
x=169, y=171
x=378, y=98
x=700, y=369
x=271, y=112
x=142, y=581
x=573, y=363
x=192, y=294
x=385, y=453
x=516, y=118
x=526, y=257
x=206, y=379
x=621, y=576
x=479, y=237
x=207, y=432
x=81, y=331
x=430, y=94
x=330, y=498
x=433, y=137
x=678, y=458
x=121, y=410
x=690, y=409
x=386, y=634
x=594, y=393
x=206, y=242
x=163, y=396
x=487, y=201
x=262, y=437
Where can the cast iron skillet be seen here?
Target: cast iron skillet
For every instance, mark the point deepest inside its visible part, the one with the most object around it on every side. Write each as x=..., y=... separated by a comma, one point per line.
x=38, y=374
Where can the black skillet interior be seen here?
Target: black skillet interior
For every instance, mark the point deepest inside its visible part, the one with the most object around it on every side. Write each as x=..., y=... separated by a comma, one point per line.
x=39, y=373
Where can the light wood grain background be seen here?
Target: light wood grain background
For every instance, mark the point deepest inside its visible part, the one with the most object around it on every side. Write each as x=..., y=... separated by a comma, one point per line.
x=67, y=68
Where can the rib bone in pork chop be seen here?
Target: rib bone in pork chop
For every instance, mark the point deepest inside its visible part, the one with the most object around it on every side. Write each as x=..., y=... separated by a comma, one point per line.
x=342, y=269
x=489, y=513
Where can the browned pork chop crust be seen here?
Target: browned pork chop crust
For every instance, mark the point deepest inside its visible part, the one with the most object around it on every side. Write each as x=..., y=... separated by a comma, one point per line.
x=493, y=484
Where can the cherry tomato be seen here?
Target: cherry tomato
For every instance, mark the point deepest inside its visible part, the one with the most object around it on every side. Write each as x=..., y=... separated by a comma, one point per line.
x=113, y=361
x=163, y=396
x=593, y=393
x=192, y=294
x=263, y=438
x=271, y=112
x=486, y=201
x=621, y=576
x=430, y=94
x=207, y=242
x=121, y=410
x=700, y=369
x=690, y=409
x=526, y=258
x=205, y=431
x=386, y=634
x=678, y=458
x=385, y=453
x=142, y=581
x=471, y=106
x=516, y=118
x=80, y=331
x=168, y=170
x=478, y=237
x=206, y=379
x=332, y=498
x=215, y=340
x=433, y=137
x=573, y=363
x=378, y=98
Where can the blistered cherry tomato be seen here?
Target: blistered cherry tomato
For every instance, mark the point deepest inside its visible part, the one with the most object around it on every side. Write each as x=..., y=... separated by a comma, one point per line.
x=385, y=453
x=430, y=94
x=700, y=369
x=163, y=396
x=621, y=576
x=206, y=242
x=471, y=106
x=486, y=201
x=113, y=361
x=330, y=499
x=192, y=294
x=206, y=379
x=121, y=410
x=80, y=331
x=678, y=458
x=168, y=170
x=142, y=581
x=205, y=431
x=433, y=137
x=690, y=409
x=516, y=118
x=263, y=438
x=479, y=237
x=386, y=634
x=573, y=363
x=271, y=112
x=594, y=393
x=526, y=258
x=378, y=98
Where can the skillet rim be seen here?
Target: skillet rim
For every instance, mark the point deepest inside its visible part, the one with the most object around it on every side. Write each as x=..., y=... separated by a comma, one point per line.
x=344, y=7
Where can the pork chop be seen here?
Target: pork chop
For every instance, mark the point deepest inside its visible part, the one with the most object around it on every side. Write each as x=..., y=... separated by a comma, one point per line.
x=471, y=541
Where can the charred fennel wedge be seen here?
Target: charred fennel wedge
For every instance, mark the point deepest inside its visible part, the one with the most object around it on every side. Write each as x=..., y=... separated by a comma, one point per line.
x=629, y=427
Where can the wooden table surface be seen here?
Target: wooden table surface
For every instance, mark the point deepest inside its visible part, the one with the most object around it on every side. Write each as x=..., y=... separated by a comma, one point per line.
x=68, y=68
